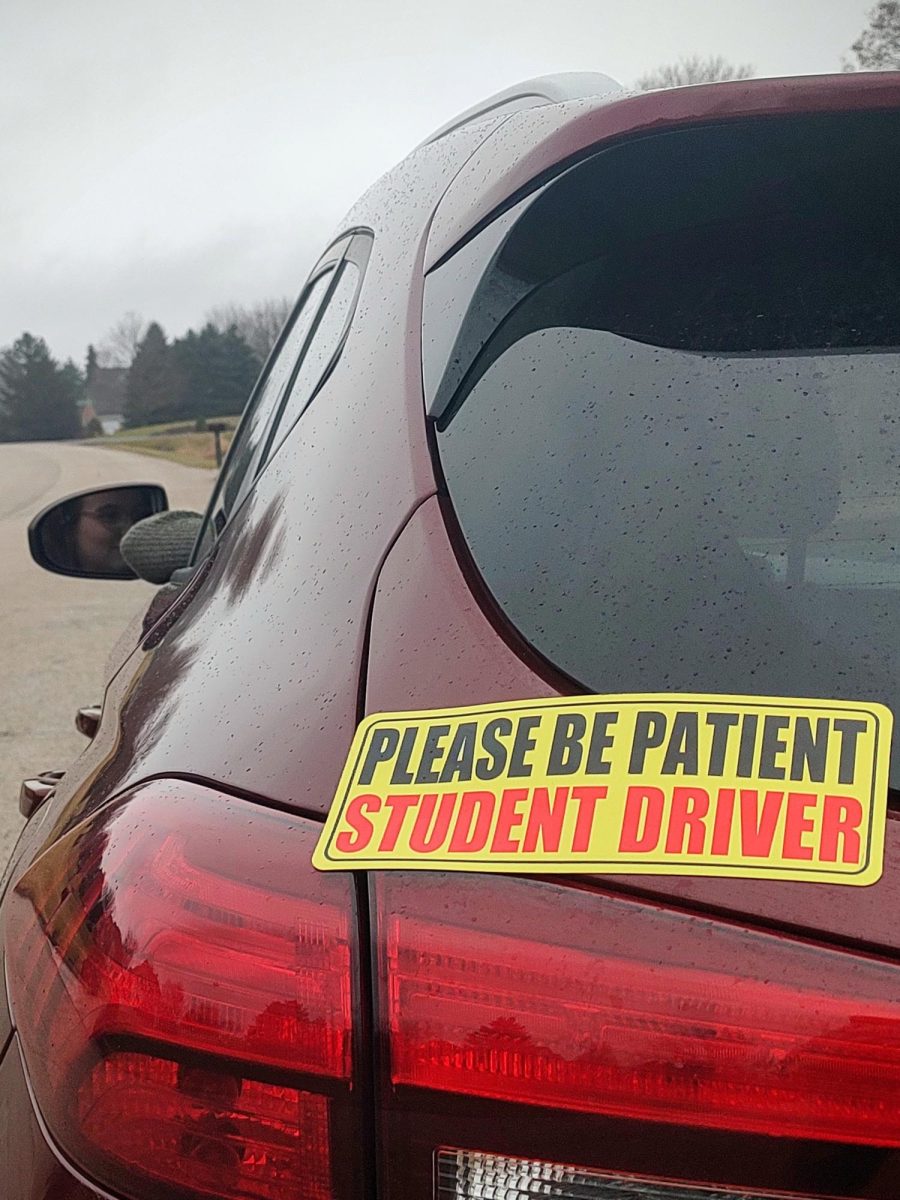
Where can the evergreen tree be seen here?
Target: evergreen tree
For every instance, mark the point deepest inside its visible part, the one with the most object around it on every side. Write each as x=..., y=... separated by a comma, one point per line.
x=242, y=367
x=216, y=370
x=153, y=392
x=74, y=380
x=38, y=398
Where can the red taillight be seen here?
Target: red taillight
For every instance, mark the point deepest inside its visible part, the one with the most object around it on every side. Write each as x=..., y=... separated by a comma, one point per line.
x=181, y=982
x=531, y=993
x=247, y=1139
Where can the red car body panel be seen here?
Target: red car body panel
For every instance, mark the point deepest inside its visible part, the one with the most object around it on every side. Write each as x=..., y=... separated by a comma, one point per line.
x=339, y=588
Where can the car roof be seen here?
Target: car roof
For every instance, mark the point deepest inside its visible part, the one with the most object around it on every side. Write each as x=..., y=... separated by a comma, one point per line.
x=532, y=143
x=485, y=158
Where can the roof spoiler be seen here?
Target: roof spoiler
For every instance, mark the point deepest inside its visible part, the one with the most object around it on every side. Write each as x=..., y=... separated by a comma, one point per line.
x=547, y=89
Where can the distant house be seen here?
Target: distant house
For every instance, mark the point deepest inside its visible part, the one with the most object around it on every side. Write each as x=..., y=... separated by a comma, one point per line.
x=105, y=397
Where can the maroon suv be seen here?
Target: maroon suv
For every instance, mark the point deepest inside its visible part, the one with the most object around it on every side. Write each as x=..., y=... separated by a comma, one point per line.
x=592, y=393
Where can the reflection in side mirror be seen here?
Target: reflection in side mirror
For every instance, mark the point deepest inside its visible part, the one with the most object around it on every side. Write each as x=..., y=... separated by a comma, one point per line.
x=81, y=534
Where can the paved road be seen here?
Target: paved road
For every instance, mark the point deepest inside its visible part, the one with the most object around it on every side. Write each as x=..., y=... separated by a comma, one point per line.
x=56, y=632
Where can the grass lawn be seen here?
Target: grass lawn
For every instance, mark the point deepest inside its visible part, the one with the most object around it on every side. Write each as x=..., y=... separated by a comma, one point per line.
x=177, y=441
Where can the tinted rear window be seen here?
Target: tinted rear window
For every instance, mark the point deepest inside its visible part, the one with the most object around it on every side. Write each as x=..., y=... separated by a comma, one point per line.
x=670, y=423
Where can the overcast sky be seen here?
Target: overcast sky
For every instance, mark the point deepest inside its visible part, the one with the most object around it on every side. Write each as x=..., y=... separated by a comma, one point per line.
x=165, y=156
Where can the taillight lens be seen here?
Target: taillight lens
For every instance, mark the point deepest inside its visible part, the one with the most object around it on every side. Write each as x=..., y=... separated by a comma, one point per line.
x=541, y=995
x=470, y=1175
x=181, y=980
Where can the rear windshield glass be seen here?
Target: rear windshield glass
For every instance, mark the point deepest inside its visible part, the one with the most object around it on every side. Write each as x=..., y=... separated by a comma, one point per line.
x=670, y=422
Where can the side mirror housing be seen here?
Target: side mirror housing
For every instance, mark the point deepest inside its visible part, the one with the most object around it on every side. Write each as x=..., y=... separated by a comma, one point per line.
x=81, y=534
x=160, y=546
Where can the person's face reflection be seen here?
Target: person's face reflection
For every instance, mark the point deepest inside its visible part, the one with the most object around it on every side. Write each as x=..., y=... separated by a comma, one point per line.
x=100, y=524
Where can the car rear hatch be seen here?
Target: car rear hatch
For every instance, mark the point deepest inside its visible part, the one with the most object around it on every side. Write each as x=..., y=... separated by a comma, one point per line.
x=663, y=388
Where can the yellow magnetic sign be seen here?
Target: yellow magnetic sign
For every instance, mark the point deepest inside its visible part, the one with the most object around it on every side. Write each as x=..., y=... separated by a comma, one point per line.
x=741, y=786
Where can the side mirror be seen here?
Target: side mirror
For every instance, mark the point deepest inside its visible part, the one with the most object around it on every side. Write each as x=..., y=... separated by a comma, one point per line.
x=80, y=535
x=160, y=547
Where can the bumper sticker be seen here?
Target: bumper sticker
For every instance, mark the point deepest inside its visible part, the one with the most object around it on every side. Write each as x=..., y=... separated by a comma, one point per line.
x=737, y=786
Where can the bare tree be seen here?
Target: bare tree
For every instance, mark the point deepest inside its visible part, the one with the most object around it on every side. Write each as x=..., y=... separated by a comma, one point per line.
x=258, y=324
x=120, y=345
x=878, y=47
x=693, y=70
